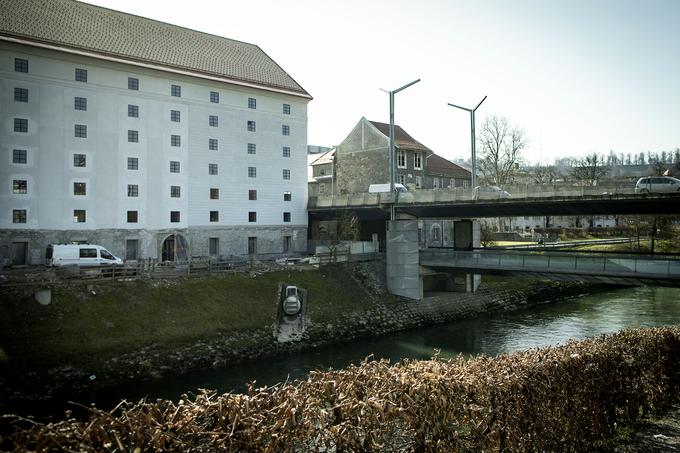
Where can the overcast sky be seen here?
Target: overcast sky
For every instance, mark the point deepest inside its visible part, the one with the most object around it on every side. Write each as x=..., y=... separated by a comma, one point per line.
x=577, y=75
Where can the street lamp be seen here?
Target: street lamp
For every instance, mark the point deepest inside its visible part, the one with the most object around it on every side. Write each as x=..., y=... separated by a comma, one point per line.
x=472, y=135
x=391, y=156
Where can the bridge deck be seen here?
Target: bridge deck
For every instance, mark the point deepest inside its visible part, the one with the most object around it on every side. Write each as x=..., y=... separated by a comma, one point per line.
x=634, y=267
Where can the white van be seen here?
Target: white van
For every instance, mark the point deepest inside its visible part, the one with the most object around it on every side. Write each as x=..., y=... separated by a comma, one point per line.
x=385, y=188
x=83, y=255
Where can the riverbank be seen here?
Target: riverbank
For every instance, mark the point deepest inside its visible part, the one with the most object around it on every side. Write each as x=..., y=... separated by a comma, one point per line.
x=101, y=335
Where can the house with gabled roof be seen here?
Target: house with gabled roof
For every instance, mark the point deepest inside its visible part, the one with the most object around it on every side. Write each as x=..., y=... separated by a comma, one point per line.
x=362, y=159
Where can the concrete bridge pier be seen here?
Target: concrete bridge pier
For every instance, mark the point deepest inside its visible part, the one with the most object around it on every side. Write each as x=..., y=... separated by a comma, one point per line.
x=403, y=259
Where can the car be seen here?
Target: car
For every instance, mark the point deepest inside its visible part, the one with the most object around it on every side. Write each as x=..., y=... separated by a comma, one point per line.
x=385, y=188
x=82, y=255
x=489, y=193
x=657, y=184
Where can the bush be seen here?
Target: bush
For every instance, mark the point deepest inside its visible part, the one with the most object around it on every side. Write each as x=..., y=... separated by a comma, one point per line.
x=566, y=398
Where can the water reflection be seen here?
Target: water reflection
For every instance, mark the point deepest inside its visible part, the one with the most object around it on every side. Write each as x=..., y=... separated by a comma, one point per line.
x=495, y=334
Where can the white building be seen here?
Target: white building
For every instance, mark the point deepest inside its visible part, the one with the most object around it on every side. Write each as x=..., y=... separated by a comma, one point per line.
x=147, y=138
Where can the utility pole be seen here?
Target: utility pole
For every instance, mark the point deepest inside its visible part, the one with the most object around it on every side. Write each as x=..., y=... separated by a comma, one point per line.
x=472, y=138
x=391, y=134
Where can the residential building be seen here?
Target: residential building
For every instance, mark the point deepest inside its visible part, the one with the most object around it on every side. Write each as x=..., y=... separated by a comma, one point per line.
x=362, y=159
x=322, y=177
x=152, y=140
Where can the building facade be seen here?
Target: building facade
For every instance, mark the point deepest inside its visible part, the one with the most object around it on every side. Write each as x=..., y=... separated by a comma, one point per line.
x=152, y=140
x=362, y=159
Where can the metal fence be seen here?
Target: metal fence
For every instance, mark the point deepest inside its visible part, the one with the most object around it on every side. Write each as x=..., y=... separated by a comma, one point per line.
x=667, y=267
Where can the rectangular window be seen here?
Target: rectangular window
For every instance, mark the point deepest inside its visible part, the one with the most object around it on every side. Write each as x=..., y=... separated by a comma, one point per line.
x=78, y=216
x=133, y=83
x=286, y=217
x=174, y=166
x=322, y=188
x=212, y=169
x=174, y=216
x=214, y=193
x=286, y=151
x=79, y=160
x=251, y=126
x=20, y=125
x=214, y=216
x=286, y=109
x=401, y=179
x=18, y=216
x=212, y=144
x=20, y=186
x=132, y=217
x=214, y=97
x=213, y=121
x=252, y=194
x=214, y=246
x=252, y=216
x=133, y=190
x=285, y=129
x=81, y=75
x=419, y=182
x=175, y=140
x=79, y=188
x=174, y=116
x=252, y=149
x=252, y=172
x=252, y=103
x=21, y=94
x=19, y=156
x=286, y=244
x=286, y=174
x=287, y=196
x=80, y=130
x=418, y=161
x=175, y=191
x=133, y=163
x=132, y=249
x=252, y=245
x=401, y=159
x=133, y=111
x=176, y=91
x=133, y=136
x=435, y=183
x=20, y=65
x=80, y=103
x=466, y=184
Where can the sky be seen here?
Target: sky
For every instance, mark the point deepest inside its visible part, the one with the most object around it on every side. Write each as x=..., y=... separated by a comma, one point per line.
x=578, y=76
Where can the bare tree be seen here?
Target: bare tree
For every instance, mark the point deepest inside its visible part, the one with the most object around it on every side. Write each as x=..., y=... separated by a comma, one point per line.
x=658, y=168
x=590, y=169
x=501, y=147
x=542, y=174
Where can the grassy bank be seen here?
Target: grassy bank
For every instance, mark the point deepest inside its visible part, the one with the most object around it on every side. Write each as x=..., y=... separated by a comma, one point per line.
x=92, y=322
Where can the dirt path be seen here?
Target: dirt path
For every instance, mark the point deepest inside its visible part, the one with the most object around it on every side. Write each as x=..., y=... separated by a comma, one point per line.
x=655, y=435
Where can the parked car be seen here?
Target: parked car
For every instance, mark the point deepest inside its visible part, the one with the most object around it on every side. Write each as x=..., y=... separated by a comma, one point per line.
x=489, y=193
x=385, y=188
x=83, y=255
x=657, y=184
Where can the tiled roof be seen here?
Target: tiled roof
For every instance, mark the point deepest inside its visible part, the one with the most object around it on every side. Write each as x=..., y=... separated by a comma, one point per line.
x=80, y=26
x=401, y=138
x=437, y=165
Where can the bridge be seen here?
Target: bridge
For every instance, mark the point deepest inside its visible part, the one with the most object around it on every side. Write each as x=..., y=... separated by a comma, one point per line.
x=583, y=266
x=524, y=200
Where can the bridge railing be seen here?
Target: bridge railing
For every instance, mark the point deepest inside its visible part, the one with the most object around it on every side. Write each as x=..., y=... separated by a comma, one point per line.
x=617, y=265
x=459, y=194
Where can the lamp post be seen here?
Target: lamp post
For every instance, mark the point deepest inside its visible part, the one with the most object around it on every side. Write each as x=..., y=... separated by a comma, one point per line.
x=472, y=137
x=391, y=155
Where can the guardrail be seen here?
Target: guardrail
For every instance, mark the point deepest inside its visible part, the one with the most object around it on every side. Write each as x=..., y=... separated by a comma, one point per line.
x=463, y=195
x=577, y=263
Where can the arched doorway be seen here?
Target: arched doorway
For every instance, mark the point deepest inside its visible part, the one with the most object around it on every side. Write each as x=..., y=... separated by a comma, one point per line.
x=174, y=248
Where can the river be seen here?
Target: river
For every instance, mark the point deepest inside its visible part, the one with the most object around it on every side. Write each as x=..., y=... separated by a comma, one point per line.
x=498, y=333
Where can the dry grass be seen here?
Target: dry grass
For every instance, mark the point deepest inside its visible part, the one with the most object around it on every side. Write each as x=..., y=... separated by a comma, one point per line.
x=566, y=398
